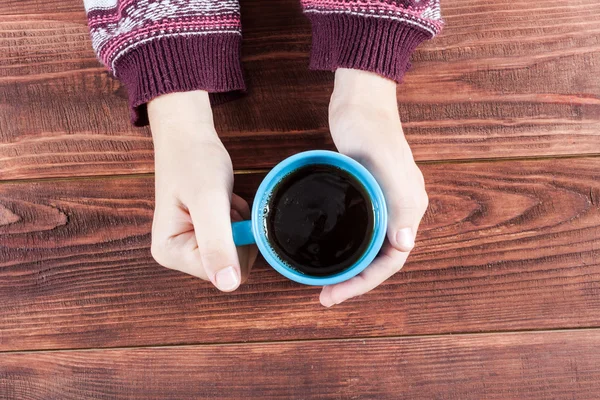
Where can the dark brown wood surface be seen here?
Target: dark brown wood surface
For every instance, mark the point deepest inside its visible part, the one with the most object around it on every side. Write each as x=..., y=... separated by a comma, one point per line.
x=503, y=113
x=505, y=246
x=541, y=365
x=505, y=79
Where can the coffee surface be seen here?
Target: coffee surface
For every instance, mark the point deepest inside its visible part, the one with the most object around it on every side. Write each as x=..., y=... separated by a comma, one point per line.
x=319, y=220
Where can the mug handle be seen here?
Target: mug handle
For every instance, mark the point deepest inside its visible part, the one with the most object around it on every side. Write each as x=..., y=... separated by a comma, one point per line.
x=242, y=233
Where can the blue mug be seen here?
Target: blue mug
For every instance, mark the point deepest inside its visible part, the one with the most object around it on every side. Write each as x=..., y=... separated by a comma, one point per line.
x=253, y=230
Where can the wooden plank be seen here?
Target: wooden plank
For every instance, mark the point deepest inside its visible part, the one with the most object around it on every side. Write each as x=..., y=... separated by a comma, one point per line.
x=504, y=80
x=505, y=246
x=546, y=365
x=24, y=7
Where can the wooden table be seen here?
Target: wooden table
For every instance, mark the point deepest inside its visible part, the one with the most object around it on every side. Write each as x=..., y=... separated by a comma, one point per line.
x=500, y=299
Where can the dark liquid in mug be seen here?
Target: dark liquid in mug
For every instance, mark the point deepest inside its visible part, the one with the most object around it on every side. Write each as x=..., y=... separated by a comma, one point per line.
x=319, y=220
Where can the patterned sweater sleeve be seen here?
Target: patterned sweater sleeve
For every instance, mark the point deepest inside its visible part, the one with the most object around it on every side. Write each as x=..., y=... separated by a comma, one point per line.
x=161, y=46
x=372, y=35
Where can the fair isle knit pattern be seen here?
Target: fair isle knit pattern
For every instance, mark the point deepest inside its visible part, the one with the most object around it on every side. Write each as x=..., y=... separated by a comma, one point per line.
x=156, y=47
x=424, y=14
x=117, y=27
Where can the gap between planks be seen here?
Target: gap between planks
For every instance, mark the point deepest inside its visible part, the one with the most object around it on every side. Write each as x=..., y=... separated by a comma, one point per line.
x=265, y=170
x=276, y=342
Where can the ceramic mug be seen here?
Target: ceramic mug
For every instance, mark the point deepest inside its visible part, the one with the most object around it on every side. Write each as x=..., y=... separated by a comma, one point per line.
x=253, y=230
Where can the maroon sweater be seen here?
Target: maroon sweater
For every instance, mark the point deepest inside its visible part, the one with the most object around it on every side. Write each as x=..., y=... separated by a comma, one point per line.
x=161, y=46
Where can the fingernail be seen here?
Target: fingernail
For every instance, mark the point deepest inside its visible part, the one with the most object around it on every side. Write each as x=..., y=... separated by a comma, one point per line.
x=405, y=239
x=327, y=303
x=326, y=300
x=227, y=279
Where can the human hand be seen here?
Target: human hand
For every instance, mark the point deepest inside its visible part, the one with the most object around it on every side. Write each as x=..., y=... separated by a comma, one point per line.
x=365, y=125
x=191, y=231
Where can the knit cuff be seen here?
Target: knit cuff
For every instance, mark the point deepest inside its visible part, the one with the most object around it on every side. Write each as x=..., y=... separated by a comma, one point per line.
x=367, y=43
x=208, y=62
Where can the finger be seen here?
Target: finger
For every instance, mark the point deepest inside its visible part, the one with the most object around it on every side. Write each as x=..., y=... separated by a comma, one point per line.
x=402, y=227
x=173, y=241
x=235, y=215
x=246, y=254
x=240, y=205
x=385, y=265
x=211, y=216
x=407, y=202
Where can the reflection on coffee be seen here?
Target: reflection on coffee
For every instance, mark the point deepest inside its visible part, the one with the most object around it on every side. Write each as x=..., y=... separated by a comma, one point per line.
x=319, y=220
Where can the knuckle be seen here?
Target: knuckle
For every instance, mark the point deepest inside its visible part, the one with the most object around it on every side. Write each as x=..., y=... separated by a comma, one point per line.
x=420, y=176
x=200, y=198
x=411, y=203
x=213, y=255
x=425, y=202
x=159, y=254
x=394, y=267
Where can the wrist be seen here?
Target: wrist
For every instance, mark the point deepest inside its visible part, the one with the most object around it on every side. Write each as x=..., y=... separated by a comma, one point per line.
x=363, y=113
x=363, y=88
x=181, y=114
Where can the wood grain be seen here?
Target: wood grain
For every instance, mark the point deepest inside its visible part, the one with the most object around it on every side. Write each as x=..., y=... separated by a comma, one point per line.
x=547, y=365
x=505, y=79
x=505, y=246
x=25, y=7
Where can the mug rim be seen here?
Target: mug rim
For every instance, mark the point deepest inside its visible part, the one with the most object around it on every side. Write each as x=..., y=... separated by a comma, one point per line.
x=289, y=165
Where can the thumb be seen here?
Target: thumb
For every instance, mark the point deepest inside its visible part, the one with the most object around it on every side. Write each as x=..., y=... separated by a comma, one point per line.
x=401, y=235
x=212, y=226
x=405, y=211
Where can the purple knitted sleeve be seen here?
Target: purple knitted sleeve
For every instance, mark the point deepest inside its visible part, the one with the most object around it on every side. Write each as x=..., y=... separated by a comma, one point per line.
x=372, y=35
x=161, y=46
